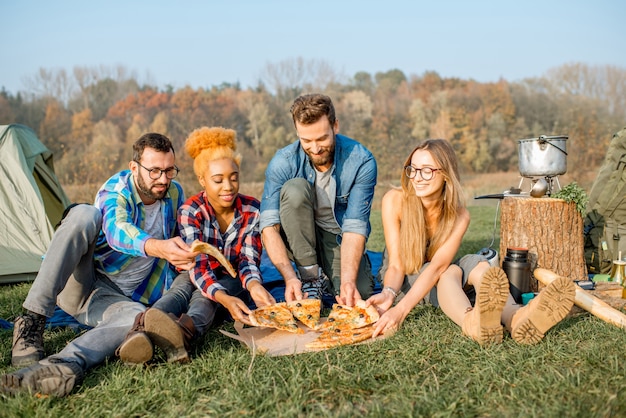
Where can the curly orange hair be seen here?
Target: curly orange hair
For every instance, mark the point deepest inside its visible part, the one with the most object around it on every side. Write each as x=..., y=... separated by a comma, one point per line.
x=209, y=144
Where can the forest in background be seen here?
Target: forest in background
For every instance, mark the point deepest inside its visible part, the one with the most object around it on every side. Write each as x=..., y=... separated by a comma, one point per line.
x=89, y=117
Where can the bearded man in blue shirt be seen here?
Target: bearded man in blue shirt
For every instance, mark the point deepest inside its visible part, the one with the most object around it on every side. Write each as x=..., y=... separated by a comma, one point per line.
x=105, y=263
x=316, y=206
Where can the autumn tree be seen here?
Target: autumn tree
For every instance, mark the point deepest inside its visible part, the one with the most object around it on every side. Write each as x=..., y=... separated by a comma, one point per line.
x=54, y=130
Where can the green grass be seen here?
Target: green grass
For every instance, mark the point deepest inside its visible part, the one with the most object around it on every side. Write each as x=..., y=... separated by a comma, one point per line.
x=427, y=369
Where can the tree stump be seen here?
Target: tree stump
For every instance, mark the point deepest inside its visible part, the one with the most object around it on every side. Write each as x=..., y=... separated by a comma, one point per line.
x=551, y=229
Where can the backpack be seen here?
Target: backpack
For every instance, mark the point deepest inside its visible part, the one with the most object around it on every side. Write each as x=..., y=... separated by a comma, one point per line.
x=605, y=220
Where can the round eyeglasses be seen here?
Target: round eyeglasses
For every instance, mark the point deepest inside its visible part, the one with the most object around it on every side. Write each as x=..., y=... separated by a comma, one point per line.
x=155, y=173
x=426, y=173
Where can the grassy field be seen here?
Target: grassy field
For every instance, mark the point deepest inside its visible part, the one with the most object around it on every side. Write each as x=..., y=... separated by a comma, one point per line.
x=427, y=369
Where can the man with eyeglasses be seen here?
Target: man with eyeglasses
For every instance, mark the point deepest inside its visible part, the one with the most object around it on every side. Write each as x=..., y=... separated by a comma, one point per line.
x=316, y=206
x=105, y=263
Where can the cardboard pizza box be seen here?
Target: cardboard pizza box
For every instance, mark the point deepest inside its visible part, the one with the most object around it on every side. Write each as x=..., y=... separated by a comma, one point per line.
x=273, y=342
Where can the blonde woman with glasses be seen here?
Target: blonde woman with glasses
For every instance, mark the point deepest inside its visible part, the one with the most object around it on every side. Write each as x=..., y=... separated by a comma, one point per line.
x=424, y=222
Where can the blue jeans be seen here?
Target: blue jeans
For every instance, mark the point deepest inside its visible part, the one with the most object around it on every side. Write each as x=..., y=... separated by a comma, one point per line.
x=184, y=297
x=67, y=277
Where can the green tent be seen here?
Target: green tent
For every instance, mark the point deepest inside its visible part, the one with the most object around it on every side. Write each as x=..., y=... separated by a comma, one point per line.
x=31, y=202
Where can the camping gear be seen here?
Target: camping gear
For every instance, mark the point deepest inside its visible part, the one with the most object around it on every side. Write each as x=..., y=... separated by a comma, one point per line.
x=32, y=202
x=543, y=157
x=517, y=269
x=588, y=302
x=540, y=188
x=605, y=219
x=617, y=271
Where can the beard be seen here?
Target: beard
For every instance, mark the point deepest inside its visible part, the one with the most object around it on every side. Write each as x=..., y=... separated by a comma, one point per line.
x=147, y=191
x=325, y=157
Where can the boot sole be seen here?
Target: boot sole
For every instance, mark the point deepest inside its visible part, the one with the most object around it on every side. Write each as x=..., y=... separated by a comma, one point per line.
x=166, y=334
x=490, y=300
x=545, y=311
x=50, y=379
x=136, y=350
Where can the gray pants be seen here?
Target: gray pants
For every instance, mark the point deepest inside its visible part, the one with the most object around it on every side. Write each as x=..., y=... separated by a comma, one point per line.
x=467, y=263
x=67, y=277
x=308, y=244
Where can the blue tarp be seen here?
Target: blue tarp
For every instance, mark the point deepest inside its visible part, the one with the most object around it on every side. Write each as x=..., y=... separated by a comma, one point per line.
x=272, y=280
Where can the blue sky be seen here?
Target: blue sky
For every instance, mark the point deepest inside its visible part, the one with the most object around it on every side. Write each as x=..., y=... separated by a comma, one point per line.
x=205, y=43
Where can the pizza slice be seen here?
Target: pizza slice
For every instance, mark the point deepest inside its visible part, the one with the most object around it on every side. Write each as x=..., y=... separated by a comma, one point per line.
x=337, y=336
x=347, y=317
x=276, y=316
x=206, y=248
x=306, y=311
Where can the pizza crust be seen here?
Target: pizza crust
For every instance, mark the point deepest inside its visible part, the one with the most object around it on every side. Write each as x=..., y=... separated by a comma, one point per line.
x=206, y=248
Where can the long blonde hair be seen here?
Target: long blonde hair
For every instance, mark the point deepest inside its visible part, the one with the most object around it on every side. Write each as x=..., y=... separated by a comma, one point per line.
x=416, y=245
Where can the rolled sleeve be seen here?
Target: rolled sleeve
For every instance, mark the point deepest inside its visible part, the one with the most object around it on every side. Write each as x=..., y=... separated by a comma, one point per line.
x=356, y=218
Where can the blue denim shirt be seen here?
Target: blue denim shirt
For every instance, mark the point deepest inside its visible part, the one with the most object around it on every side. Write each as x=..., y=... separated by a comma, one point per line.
x=354, y=172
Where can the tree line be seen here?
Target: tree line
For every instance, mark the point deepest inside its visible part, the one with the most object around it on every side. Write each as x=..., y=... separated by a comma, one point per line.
x=90, y=117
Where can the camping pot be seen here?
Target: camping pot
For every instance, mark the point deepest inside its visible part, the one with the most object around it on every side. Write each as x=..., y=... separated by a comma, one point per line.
x=544, y=156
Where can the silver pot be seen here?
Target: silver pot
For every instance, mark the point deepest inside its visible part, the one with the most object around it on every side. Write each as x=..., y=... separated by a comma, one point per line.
x=545, y=156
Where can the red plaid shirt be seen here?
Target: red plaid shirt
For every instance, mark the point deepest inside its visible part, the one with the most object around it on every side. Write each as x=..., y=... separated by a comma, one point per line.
x=240, y=244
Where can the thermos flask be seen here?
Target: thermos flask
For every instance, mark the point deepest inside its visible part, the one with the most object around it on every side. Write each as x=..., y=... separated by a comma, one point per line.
x=517, y=269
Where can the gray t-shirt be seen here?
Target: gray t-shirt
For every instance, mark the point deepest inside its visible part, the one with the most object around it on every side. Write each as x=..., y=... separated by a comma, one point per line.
x=140, y=267
x=325, y=189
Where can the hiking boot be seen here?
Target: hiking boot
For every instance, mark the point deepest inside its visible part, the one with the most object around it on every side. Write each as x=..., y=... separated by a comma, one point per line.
x=28, y=339
x=173, y=335
x=314, y=285
x=530, y=323
x=483, y=322
x=136, y=349
x=48, y=377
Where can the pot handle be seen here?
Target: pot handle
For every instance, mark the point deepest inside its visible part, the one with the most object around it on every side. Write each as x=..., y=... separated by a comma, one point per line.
x=542, y=140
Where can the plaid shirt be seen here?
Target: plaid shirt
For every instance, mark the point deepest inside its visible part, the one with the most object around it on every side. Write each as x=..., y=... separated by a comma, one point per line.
x=240, y=243
x=122, y=238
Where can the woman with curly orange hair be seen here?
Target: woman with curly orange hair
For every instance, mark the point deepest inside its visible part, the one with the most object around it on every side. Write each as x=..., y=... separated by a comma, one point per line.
x=227, y=220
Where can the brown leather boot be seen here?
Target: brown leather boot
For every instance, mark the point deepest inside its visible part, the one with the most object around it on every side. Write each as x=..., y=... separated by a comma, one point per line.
x=553, y=303
x=482, y=323
x=169, y=333
x=136, y=349
x=188, y=328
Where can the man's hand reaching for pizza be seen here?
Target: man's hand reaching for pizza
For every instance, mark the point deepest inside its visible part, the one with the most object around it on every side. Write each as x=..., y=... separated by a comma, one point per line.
x=260, y=295
x=293, y=290
x=348, y=294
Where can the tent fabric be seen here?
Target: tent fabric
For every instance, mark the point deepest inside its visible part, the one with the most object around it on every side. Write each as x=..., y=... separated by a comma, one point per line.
x=31, y=202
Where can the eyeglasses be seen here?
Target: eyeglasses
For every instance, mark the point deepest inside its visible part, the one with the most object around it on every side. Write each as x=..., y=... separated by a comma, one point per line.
x=426, y=173
x=155, y=173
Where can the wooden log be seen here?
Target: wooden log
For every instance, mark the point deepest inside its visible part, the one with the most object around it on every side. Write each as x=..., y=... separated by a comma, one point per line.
x=583, y=299
x=551, y=229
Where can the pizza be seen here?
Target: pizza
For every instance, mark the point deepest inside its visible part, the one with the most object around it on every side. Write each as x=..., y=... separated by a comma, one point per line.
x=206, y=248
x=306, y=311
x=276, y=316
x=346, y=317
x=337, y=336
